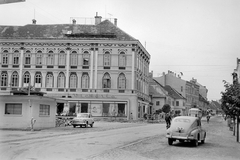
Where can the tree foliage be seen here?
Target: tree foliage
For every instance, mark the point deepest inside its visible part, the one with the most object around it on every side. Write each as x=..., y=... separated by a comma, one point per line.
x=231, y=99
x=166, y=108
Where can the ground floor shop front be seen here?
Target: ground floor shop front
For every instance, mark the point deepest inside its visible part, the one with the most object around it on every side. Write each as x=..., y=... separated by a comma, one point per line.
x=102, y=105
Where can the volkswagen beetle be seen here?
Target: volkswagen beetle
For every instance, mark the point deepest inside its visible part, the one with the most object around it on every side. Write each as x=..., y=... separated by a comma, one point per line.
x=83, y=119
x=186, y=129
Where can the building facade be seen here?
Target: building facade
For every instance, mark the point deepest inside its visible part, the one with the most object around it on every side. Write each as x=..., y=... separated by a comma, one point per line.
x=93, y=68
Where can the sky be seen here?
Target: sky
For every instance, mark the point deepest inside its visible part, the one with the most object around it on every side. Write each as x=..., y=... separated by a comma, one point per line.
x=200, y=38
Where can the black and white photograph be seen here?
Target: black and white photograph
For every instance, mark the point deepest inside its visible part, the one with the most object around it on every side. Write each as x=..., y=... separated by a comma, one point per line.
x=119, y=79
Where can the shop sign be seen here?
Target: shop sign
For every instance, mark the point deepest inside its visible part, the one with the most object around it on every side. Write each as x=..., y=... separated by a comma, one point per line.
x=93, y=96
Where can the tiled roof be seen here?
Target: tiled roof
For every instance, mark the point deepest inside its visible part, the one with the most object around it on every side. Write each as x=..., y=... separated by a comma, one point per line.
x=104, y=30
x=154, y=93
x=173, y=93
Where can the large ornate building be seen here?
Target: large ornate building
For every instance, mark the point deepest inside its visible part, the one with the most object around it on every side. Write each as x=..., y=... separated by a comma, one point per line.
x=88, y=68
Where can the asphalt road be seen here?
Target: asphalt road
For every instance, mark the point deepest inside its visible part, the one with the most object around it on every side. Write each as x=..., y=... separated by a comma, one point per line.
x=116, y=141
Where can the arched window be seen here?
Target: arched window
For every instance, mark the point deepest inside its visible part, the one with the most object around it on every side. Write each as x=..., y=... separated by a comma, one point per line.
x=85, y=81
x=121, y=81
x=106, y=81
x=49, y=80
x=39, y=58
x=16, y=57
x=73, y=58
x=4, y=79
x=61, y=58
x=86, y=58
x=28, y=57
x=106, y=59
x=5, y=57
x=26, y=79
x=73, y=81
x=122, y=59
x=14, y=80
x=61, y=80
x=38, y=80
x=50, y=58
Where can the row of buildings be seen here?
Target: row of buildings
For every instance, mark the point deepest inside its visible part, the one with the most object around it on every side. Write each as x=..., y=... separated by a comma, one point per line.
x=96, y=68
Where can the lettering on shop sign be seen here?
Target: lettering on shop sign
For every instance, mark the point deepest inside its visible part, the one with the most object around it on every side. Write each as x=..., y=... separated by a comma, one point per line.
x=93, y=96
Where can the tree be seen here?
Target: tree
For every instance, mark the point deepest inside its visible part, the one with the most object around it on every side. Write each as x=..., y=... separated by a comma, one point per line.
x=166, y=108
x=231, y=102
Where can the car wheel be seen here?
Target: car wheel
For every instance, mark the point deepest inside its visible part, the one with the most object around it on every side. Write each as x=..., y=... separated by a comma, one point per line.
x=195, y=143
x=91, y=125
x=203, y=140
x=170, y=141
x=74, y=126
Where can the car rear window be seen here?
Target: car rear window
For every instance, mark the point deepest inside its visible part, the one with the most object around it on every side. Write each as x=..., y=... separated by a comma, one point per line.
x=182, y=120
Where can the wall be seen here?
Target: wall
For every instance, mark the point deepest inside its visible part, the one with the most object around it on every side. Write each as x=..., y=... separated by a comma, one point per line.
x=30, y=108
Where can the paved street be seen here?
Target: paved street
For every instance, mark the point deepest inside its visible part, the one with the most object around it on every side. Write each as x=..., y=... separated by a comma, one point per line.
x=116, y=141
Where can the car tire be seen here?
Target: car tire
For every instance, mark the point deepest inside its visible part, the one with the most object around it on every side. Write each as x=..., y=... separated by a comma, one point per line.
x=195, y=143
x=91, y=125
x=74, y=126
x=170, y=141
x=203, y=140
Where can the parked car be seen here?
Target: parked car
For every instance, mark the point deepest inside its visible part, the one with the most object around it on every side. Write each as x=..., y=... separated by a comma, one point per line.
x=186, y=129
x=83, y=119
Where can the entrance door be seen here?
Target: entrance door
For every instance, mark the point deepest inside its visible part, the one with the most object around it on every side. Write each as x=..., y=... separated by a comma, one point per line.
x=84, y=107
x=121, y=109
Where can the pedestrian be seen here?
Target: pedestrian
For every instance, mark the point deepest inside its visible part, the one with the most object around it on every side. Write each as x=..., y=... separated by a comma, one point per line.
x=168, y=119
x=208, y=118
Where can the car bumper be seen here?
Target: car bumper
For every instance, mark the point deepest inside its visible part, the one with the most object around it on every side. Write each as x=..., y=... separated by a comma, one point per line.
x=180, y=137
x=79, y=123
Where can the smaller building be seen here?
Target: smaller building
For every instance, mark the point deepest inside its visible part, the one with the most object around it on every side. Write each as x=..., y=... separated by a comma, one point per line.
x=18, y=111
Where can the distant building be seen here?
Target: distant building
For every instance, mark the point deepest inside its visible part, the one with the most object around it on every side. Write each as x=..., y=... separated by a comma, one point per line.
x=187, y=89
x=95, y=68
x=162, y=95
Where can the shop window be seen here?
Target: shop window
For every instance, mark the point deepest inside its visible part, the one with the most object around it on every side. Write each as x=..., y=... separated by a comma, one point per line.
x=105, y=111
x=44, y=110
x=13, y=108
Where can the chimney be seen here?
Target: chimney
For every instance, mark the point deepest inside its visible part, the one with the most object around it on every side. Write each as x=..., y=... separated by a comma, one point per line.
x=97, y=19
x=74, y=21
x=115, y=21
x=34, y=21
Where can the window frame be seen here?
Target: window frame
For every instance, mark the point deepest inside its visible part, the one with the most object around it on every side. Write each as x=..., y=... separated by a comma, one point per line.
x=14, y=105
x=44, y=110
